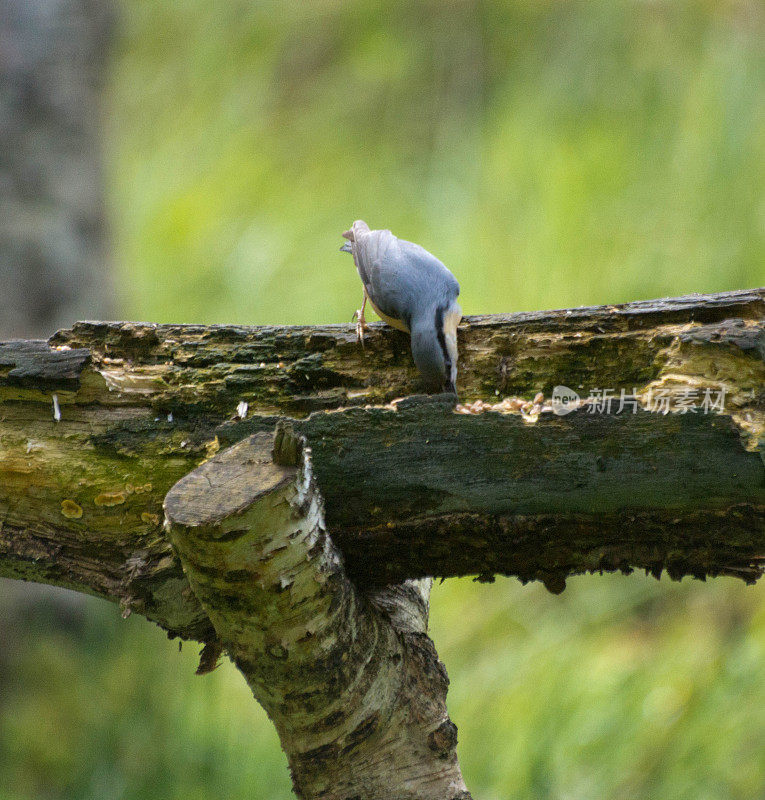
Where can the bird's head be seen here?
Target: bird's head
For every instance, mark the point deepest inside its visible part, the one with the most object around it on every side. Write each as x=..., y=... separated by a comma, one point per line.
x=358, y=228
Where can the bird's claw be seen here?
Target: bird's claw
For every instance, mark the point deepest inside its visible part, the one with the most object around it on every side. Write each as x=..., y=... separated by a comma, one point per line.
x=361, y=324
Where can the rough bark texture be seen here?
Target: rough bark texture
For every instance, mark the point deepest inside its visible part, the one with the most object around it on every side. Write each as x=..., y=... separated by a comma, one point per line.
x=352, y=683
x=538, y=496
x=422, y=491
x=326, y=623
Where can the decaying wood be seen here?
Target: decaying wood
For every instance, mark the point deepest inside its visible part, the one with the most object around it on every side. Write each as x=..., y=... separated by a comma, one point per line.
x=263, y=491
x=423, y=491
x=410, y=488
x=356, y=693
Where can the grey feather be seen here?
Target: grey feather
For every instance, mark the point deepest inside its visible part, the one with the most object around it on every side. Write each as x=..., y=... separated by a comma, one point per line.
x=407, y=283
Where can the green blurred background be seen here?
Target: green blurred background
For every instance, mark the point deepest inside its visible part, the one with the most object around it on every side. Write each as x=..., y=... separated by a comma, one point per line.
x=552, y=154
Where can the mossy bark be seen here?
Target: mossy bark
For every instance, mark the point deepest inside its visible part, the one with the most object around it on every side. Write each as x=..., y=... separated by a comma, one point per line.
x=351, y=682
x=328, y=625
x=410, y=489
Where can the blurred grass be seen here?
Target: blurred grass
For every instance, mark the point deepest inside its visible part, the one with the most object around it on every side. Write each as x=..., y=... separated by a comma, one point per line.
x=621, y=688
x=112, y=710
x=552, y=154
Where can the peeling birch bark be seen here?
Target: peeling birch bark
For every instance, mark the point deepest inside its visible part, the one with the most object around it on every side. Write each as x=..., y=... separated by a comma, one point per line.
x=410, y=489
x=353, y=685
x=97, y=424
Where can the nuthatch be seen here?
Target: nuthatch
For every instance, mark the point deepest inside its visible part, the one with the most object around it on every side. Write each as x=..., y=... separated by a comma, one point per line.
x=413, y=291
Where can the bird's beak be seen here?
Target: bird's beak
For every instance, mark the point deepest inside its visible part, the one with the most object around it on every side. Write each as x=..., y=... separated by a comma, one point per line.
x=346, y=248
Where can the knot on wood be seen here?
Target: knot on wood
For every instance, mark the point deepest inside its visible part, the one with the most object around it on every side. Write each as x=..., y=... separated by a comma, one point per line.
x=554, y=582
x=288, y=445
x=209, y=656
x=36, y=364
x=443, y=740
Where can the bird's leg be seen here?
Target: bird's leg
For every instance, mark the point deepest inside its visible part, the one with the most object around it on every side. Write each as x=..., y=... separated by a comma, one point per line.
x=361, y=322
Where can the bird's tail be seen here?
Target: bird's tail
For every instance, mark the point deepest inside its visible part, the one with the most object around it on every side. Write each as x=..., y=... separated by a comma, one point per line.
x=452, y=315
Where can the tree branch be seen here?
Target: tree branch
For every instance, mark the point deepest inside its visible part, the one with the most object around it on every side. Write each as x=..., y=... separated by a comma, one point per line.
x=352, y=687
x=410, y=488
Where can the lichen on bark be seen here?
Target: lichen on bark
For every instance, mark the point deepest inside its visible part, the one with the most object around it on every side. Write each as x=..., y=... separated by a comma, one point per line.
x=142, y=405
x=329, y=624
x=352, y=683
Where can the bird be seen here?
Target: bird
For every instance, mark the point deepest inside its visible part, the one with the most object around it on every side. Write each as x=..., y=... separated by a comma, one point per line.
x=412, y=291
